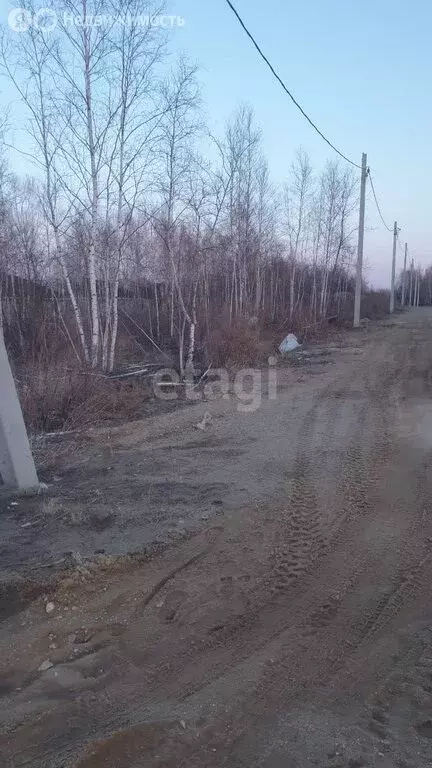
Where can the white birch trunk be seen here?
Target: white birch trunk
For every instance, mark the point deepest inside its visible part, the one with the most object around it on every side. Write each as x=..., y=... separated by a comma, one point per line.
x=94, y=309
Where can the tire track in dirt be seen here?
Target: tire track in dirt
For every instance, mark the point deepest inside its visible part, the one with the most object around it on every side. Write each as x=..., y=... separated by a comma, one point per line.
x=305, y=532
x=368, y=456
x=277, y=644
x=302, y=537
x=303, y=544
x=383, y=387
x=303, y=625
x=359, y=489
x=305, y=536
x=389, y=606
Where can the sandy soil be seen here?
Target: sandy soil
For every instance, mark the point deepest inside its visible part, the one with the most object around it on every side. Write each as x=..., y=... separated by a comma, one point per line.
x=288, y=624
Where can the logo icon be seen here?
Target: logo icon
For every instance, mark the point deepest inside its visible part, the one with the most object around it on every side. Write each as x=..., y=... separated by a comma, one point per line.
x=19, y=19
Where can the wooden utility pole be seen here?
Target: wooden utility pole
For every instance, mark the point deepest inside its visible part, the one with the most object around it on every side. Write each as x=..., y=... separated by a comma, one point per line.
x=404, y=275
x=393, y=274
x=359, y=270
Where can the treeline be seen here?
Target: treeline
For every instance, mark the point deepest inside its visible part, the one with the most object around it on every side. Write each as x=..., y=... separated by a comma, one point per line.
x=415, y=287
x=136, y=216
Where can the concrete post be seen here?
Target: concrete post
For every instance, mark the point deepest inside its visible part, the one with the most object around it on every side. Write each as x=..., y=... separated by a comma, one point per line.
x=17, y=468
x=404, y=275
x=393, y=274
x=359, y=268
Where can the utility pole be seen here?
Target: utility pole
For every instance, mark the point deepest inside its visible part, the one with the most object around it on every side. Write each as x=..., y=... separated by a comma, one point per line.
x=393, y=275
x=359, y=270
x=404, y=275
x=411, y=283
x=17, y=467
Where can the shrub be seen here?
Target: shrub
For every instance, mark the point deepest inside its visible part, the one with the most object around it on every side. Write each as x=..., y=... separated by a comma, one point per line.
x=62, y=398
x=233, y=345
x=375, y=305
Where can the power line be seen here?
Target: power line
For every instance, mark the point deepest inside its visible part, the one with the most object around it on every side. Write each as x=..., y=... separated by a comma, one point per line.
x=390, y=229
x=279, y=79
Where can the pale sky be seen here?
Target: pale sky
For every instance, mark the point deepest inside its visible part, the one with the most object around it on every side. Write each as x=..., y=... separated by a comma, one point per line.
x=362, y=71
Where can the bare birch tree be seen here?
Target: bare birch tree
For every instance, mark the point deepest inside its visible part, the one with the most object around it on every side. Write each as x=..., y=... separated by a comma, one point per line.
x=179, y=128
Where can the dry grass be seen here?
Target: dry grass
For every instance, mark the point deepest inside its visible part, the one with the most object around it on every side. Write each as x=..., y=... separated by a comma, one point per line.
x=375, y=305
x=231, y=346
x=57, y=397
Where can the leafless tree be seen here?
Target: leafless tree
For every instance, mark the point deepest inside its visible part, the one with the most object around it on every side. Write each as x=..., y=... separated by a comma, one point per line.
x=90, y=90
x=180, y=125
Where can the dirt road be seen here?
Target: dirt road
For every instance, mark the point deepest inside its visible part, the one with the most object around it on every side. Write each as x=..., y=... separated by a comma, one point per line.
x=294, y=629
